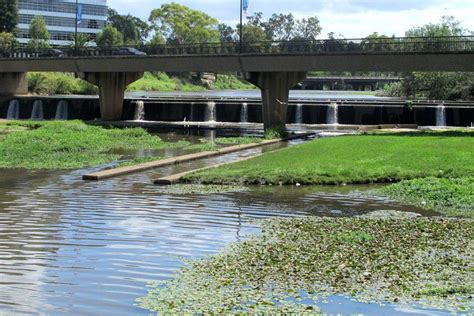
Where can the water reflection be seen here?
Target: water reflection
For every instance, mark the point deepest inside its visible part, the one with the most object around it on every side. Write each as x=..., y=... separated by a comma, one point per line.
x=74, y=247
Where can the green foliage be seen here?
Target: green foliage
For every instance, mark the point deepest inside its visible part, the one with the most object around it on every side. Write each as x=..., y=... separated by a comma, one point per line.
x=238, y=140
x=80, y=41
x=354, y=159
x=8, y=42
x=452, y=196
x=435, y=85
x=109, y=37
x=58, y=83
x=228, y=81
x=39, y=29
x=276, y=132
x=162, y=82
x=69, y=145
x=133, y=29
x=181, y=25
x=373, y=259
x=8, y=16
x=284, y=27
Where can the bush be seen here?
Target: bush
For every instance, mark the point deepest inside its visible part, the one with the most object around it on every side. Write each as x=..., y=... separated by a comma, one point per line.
x=58, y=83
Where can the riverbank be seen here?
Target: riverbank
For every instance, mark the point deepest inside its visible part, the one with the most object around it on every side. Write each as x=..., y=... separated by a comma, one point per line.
x=451, y=196
x=51, y=83
x=294, y=262
x=354, y=159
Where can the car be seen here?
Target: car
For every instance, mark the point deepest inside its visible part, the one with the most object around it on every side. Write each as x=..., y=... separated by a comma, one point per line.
x=128, y=51
x=51, y=52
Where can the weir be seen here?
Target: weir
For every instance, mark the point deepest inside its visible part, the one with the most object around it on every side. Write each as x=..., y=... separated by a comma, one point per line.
x=441, y=115
x=37, y=112
x=244, y=113
x=333, y=114
x=139, y=114
x=299, y=114
x=62, y=110
x=13, y=112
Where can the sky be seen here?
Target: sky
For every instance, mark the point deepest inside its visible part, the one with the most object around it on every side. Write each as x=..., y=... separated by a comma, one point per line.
x=349, y=18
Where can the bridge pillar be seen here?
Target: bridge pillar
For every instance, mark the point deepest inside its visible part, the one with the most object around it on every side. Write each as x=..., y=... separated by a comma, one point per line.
x=112, y=86
x=12, y=83
x=275, y=88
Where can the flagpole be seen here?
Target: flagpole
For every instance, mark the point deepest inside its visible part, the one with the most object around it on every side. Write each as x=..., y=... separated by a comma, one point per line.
x=240, y=28
x=75, y=31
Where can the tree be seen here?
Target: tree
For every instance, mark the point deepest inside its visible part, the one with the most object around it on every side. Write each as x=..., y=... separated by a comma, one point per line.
x=308, y=29
x=254, y=39
x=109, y=37
x=436, y=85
x=39, y=34
x=280, y=27
x=226, y=33
x=8, y=43
x=133, y=29
x=8, y=16
x=182, y=25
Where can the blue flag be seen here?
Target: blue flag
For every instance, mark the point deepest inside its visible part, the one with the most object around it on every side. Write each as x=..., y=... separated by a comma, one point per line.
x=79, y=13
x=245, y=5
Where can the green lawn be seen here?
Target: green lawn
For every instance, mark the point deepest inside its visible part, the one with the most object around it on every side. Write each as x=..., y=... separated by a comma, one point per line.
x=354, y=159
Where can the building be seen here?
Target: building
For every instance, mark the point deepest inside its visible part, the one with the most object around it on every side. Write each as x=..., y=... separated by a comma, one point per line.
x=60, y=16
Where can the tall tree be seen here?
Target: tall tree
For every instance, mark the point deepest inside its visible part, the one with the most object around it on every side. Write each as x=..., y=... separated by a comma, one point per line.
x=308, y=29
x=226, y=32
x=180, y=24
x=109, y=37
x=8, y=16
x=133, y=29
x=436, y=85
x=39, y=34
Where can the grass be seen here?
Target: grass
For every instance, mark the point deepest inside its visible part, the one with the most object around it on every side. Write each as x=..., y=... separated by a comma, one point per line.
x=451, y=196
x=354, y=159
x=69, y=145
x=65, y=83
x=58, y=83
x=418, y=260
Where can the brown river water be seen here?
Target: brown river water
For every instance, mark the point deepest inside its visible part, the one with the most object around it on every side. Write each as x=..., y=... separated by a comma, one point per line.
x=69, y=247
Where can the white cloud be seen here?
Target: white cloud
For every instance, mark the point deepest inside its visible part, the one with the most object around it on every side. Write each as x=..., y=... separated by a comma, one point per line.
x=352, y=18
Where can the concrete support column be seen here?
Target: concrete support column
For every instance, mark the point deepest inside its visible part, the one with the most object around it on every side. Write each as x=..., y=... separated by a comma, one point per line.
x=112, y=86
x=275, y=88
x=13, y=83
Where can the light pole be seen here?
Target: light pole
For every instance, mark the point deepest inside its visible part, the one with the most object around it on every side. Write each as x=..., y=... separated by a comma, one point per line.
x=75, y=30
x=240, y=26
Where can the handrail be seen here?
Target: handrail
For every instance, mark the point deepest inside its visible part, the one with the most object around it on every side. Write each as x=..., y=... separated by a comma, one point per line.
x=447, y=44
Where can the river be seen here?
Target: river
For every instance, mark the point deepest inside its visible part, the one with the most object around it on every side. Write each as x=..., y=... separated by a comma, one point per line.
x=69, y=247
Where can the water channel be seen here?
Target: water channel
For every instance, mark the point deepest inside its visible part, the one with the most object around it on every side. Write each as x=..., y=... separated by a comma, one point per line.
x=69, y=247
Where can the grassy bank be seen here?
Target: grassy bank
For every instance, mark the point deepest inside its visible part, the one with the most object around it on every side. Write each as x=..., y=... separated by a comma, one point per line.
x=66, y=83
x=452, y=196
x=354, y=159
x=422, y=260
x=58, y=83
x=68, y=145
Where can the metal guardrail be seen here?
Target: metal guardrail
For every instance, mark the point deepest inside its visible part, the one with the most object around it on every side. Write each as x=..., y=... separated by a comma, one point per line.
x=453, y=44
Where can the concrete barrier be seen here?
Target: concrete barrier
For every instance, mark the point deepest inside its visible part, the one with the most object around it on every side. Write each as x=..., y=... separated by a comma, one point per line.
x=176, y=160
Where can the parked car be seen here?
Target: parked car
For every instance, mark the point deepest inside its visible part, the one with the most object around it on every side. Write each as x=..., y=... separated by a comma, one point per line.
x=128, y=51
x=51, y=52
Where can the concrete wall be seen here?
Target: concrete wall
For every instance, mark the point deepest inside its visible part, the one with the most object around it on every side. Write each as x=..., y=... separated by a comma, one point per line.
x=313, y=113
x=250, y=63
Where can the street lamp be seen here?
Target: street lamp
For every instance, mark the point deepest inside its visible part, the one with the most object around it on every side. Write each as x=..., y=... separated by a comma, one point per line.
x=240, y=25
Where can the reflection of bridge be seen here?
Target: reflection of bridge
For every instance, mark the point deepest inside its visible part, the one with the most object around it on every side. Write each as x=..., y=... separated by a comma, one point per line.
x=345, y=83
x=274, y=67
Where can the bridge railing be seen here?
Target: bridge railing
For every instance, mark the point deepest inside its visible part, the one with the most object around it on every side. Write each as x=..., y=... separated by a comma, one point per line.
x=453, y=44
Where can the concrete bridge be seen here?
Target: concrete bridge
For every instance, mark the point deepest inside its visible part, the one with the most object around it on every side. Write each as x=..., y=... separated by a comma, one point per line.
x=274, y=67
